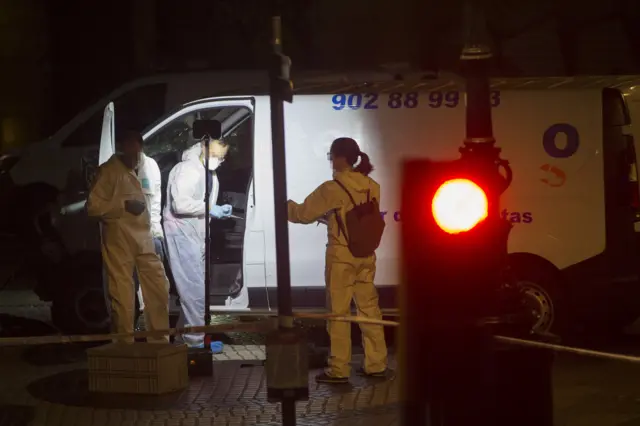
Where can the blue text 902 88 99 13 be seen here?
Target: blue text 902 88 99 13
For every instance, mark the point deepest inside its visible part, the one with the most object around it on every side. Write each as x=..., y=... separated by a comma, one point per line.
x=397, y=100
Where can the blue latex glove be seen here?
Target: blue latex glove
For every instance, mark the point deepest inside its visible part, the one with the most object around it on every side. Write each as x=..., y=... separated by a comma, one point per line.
x=216, y=347
x=220, y=212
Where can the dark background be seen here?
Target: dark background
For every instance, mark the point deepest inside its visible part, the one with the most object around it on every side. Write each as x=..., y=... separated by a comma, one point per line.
x=58, y=56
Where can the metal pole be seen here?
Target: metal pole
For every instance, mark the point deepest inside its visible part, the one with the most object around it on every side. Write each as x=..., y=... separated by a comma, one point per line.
x=475, y=59
x=280, y=186
x=479, y=144
x=504, y=365
x=285, y=311
x=207, y=238
x=462, y=347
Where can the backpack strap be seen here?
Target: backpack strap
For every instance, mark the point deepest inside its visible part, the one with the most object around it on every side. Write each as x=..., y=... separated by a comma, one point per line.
x=344, y=188
x=341, y=226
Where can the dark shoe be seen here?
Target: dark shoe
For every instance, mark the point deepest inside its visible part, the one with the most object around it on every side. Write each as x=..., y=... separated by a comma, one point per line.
x=325, y=378
x=379, y=375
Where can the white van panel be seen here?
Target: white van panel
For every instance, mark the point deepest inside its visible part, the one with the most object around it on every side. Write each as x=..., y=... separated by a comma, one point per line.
x=559, y=219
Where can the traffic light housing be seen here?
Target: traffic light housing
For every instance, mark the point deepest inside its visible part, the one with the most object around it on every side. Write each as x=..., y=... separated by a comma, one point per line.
x=454, y=240
x=454, y=246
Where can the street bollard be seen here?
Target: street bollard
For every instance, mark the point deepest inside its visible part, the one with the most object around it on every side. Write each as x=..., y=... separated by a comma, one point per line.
x=287, y=368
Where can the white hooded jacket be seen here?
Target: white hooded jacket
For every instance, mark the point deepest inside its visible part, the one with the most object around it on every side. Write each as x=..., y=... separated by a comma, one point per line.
x=186, y=188
x=151, y=182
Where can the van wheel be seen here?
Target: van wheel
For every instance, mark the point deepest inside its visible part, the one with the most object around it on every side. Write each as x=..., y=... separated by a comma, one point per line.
x=539, y=286
x=78, y=304
x=539, y=303
x=81, y=312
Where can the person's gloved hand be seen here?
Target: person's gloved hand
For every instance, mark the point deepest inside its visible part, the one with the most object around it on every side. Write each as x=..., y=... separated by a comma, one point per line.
x=220, y=212
x=134, y=207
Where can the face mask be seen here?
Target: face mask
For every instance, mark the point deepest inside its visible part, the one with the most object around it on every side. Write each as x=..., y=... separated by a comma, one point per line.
x=214, y=163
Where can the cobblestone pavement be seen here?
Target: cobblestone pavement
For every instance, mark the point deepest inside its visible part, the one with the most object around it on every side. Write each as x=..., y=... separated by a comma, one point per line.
x=47, y=385
x=38, y=390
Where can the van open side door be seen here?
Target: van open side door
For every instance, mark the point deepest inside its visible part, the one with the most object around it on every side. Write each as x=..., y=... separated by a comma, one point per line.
x=107, y=138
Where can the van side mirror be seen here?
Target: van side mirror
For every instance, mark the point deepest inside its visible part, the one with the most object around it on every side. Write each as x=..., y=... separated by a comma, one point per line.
x=211, y=128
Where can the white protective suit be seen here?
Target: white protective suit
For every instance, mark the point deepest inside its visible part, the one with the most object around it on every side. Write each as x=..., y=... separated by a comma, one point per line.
x=151, y=181
x=185, y=219
x=347, y=278
x=127, y=243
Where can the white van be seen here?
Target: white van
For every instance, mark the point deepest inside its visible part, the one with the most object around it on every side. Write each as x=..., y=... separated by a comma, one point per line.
x=573, y=200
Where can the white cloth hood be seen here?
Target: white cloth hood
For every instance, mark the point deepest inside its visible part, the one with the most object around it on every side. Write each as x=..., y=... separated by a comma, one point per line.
x=193, y=153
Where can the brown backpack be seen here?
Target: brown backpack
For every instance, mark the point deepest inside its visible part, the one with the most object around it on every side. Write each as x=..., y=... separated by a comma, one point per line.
x=364, y=224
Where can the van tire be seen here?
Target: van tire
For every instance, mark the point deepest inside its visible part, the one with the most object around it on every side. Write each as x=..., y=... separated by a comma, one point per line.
x=78, y=305
x=540, y=283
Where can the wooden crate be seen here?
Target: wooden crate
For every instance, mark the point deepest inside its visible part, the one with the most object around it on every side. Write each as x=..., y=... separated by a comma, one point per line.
x=138, y=368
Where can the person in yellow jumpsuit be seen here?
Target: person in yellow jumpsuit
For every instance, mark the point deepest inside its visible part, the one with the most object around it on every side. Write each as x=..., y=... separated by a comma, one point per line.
x=117, y=199
x=347, y=277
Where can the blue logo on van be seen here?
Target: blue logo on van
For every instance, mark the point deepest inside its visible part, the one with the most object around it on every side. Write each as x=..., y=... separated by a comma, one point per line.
x=551, y=145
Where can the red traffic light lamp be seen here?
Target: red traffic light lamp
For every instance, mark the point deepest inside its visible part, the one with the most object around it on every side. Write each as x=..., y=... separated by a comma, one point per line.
x=459, y=205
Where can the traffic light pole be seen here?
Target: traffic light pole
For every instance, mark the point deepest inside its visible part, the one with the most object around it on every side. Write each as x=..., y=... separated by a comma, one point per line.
x=452, y=281
x=286, y=348
x=453, y=294
x=479, y=144
x=277, y=100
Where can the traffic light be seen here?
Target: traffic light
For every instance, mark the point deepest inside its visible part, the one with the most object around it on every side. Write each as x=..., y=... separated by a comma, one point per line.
x=454, y=240
x=455, y=290
x=454, y=248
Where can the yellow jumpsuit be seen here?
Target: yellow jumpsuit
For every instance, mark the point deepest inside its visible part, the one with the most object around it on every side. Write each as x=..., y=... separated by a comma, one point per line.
x=347, y=278
x=127, y=243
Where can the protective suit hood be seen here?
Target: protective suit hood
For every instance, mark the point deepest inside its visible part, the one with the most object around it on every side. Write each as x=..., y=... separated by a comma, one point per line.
x=354, y=181
x=193, y=153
